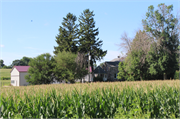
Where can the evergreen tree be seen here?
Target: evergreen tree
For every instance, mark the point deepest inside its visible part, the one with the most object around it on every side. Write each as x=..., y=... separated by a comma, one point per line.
x=163, y=27
x=122, y=73
x=68, y=33
x=88, y=43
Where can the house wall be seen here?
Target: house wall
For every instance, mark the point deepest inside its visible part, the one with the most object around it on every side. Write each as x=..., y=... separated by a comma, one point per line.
x=23, y=81
x=105, y=77
x=111, y=71
x=15, y=77
x=86, y=78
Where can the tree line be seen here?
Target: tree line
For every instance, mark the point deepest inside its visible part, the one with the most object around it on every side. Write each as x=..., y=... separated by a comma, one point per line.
x=154, y=52
x=151, y=54
x=75, y=42
x=18, y=62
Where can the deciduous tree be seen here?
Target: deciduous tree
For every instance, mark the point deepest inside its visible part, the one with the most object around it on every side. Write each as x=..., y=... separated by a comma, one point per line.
x=162, y=25
x=1, y=63
x=69, y=66
x=41, y=70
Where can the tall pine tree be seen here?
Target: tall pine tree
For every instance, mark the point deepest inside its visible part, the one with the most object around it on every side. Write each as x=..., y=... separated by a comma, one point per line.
x=88, y=43
x=68, y=34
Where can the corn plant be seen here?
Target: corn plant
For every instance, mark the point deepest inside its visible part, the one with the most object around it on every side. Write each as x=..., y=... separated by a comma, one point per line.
x=102, y=102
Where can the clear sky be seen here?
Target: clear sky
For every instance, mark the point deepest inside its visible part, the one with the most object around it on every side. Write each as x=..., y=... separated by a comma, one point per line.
x=29, y=27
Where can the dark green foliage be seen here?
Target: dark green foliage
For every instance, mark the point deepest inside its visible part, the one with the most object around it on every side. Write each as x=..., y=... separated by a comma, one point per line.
x=41, y=70
x=26, y=61
x=122, y=73
x=22, y=62
x=7, y=67
x=176, y=75
x=1, y=63
x=68, y=34
x=87, y=37
x=5, y=78
x=71, y=39
x=164, y=28
x=17, y=63
x=135, y=66
x=153, y=53
x=67, y=68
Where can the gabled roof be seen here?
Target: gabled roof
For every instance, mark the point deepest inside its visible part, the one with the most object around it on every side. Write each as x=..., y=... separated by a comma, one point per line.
x=99, y=70
x=113, y=63
x=21, y=68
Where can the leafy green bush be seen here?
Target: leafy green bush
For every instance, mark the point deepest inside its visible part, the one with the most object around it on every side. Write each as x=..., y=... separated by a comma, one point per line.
x=176, y=75
x=5, y=78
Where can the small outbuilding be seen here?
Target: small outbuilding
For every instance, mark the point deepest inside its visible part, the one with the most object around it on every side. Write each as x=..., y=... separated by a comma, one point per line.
x=18, y=75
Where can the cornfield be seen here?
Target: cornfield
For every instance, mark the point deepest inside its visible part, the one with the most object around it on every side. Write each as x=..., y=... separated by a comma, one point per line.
x=140, y=99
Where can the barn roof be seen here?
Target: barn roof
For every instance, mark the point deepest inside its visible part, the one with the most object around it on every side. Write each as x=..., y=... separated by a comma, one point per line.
x=21, y=68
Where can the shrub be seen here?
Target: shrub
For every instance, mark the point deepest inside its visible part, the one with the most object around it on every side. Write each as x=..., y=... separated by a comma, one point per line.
x=5, y=78
x=176, y=75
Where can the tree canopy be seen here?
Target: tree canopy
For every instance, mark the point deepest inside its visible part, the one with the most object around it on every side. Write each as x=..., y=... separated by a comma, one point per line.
x=22, y=62
x=80, y=38
x=88, y=43
x=162, y=26
x=41, y=70
x=152, y=54
x=68, y=34
x=1, y=63
x=69, y=66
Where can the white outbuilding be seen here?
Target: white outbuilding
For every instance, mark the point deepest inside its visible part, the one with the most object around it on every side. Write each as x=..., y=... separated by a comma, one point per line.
x=18, y=75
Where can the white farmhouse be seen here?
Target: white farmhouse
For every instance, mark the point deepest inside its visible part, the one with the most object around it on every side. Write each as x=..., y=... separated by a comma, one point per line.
x=18, y=75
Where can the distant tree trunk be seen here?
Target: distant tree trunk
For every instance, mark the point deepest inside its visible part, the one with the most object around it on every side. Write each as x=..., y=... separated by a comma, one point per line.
x=165, y=76
x=141, y=77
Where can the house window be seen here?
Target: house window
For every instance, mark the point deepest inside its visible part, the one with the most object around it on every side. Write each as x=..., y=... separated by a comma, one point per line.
x=12, y=81
x=115, y=75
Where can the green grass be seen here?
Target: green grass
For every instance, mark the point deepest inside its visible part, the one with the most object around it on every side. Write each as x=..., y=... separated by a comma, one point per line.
x=5, y=82
x=145, y=99
x=5, y=72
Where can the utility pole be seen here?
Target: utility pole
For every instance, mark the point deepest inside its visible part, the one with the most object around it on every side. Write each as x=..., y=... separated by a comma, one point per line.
x=89, y=65
x=179, y=64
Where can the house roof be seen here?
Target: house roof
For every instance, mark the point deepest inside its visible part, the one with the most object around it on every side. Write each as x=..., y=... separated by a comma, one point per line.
x=21, y=68
x=118, y=59
x=113, y=63
x=99, y=70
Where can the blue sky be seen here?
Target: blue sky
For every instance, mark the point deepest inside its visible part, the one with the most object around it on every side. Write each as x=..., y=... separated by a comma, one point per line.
x=20, y=37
